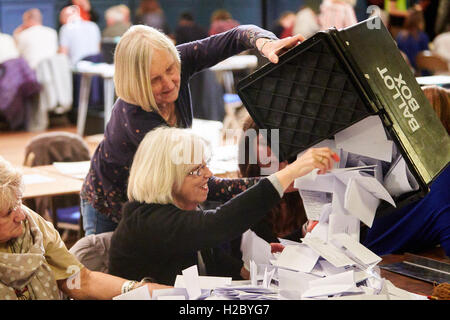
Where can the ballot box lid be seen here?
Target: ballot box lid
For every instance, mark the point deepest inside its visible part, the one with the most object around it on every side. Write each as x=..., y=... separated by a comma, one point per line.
x=337, y=78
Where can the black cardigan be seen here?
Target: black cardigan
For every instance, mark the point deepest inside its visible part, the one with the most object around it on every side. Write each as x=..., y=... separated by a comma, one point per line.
x=159, y=241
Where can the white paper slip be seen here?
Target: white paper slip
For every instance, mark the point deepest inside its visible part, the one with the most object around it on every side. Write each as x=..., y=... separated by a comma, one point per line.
x=160, y=294
x=321, y=231
x=315, y=182
x=192, y=282
x=253, y=273
x=356, y=249
x=341, y=282
x=299, y=257
x=360, y=203
x=396, y=180
x=255, y=248
x=329, y=269
x=267, y=279
x=343, y=223
x=140, y=293
x=328, y=252
x=206, y=282
x=313, y=202
x=366, y=137
x=74, y=169
x=35, y=178
x=373, y=186
x=171, y=298
x=294, y=281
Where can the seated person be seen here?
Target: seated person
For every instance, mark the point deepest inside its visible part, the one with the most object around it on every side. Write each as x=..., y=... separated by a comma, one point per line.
x=35, y=41
x=162, y=227
x=78, y=38
x=35, y=263
x=117, y=21
x=8, y=48
x=412, y=39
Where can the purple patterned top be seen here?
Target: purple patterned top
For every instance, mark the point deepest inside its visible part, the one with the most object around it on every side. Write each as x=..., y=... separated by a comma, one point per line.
x=105, y=186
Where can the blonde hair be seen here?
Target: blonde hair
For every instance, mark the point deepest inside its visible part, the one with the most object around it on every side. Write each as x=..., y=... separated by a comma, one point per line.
x=132, y=63
x=163, y=159
x=11, y=186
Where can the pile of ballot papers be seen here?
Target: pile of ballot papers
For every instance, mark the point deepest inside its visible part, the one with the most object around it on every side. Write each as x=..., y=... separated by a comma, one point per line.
x=329, y=262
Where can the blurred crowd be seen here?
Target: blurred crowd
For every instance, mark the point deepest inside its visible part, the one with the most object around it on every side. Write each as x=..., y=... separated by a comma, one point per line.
x=421, y=29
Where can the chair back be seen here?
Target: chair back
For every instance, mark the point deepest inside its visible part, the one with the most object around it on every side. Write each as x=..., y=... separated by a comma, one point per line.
x=49, y=147
x=430, y=62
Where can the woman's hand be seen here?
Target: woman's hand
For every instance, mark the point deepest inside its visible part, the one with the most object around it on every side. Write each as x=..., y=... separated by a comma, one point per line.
x=276, y=247
x=320, y=158
x=272, y=49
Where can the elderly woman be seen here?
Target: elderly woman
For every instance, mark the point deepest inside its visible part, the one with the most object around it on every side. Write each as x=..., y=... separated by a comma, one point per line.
x=151, y=80
x=35, y=263
x=162, y=227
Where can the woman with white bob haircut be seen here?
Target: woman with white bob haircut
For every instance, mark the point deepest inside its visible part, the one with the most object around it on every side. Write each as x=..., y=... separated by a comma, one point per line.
x=152, y=82
x=162, y=227
x=34, y=262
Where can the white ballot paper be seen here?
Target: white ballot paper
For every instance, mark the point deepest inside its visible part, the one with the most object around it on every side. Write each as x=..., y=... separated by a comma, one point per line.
x=338, y=283
x=360, y=203
x=253, y=273
x=356, y=249
x=366, y=137
x=267, y=279
x=343, y=223
x=398, y=179
x=35, y=178
x=255, y=248
x=192, y=282
x=77, y=169
x=328, y=252
x=314, y=201
x=298, y=258
x=294, y=282
x=170, y=294
x=140, y=293
x=206, y=282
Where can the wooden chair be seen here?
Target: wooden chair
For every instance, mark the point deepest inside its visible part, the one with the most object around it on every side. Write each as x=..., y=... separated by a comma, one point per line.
x=430, y=62
x=44, y=149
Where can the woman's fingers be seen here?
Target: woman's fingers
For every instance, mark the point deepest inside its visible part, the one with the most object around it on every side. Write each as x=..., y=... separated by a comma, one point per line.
x=280, y=46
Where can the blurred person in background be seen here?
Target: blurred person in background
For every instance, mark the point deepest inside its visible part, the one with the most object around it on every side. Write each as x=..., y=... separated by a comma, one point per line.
x=35, y=41
x=221, y=21
x=188, y=30
x=78, y=38
x=117, y=21
x=8, y=48
x=151, y=14
x=284, y=26
x=86, y=11
x=306, y=22
x=412, y=39
x=336, y=13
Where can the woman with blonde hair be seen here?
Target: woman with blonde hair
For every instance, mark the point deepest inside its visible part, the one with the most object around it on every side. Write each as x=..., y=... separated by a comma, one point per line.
x=34, y=262
x=163, y=228
x=151, y=80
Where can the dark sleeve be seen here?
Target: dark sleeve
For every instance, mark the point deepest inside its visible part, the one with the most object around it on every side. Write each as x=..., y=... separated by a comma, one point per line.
x=222, y=189
x=263, y=229
x=205, y=53
x=182, y=231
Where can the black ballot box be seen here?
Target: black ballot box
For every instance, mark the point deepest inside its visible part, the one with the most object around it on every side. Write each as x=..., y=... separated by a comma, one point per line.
x=337, y=78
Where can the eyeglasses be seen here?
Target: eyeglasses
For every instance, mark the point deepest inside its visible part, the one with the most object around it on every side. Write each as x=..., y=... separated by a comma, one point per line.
x=200, y=171
x=16, y=206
